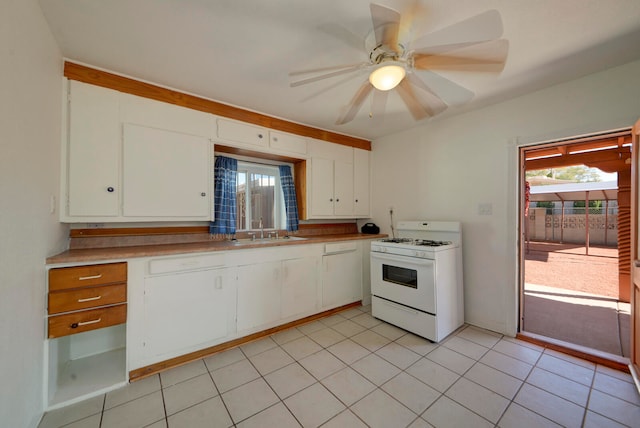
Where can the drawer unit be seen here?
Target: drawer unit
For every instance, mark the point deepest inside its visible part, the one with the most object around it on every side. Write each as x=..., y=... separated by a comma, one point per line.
x=84, y=276
x=87, y=297
x=81, y=321
x=86, y=331
x=81, y=288
x=181, y=264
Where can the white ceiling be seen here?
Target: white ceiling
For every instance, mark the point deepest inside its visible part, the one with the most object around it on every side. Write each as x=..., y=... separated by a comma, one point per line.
x=240, y=52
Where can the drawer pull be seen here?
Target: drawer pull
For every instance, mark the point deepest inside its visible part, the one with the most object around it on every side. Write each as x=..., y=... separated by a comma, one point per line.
x=89, y=299
x=84, y=278
x=80, y=324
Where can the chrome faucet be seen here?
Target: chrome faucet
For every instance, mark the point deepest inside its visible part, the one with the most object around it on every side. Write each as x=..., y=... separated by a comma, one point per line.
x=261, y=229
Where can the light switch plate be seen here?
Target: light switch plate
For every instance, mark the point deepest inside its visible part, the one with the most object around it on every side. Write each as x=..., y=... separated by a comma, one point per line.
x=485, y=208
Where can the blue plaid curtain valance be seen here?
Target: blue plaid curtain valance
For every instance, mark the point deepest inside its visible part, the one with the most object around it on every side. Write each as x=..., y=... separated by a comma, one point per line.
x=225, y=174
x=289, y=192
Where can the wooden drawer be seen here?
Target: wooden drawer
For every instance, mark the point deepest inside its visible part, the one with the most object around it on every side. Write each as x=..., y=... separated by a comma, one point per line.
x=79, y=322
x=86, y=297
x=86, y=276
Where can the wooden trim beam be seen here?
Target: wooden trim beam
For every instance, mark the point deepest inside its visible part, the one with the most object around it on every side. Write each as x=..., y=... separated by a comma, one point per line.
x=152, y=369
x=610, y=160
x=108, y=80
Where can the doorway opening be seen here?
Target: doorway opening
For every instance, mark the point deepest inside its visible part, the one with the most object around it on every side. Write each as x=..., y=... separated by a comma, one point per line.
x=575, y=258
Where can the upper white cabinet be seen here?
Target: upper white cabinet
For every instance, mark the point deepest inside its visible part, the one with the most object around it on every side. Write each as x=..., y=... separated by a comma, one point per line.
x=287, y=142
x=361, y=183
x=242, y=133
x=133, y=159
x=339, y=182
x=342, y=188
x=92, y=185
x=166, y=173
x=258, y=138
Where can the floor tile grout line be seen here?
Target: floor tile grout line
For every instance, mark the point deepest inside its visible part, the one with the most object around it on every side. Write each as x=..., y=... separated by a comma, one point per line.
x=593, y=369
x=513, y=399
x=104, y=404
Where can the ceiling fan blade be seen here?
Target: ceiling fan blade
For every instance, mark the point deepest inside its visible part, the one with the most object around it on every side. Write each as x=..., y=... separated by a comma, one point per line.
x=327, y=75
x=331, y=86
x=378, y=104
x=449, y=91
x=355, y=103
x=417, y=109
x=441, y=49
x=436, y=103
x=343, y=34
x=480, y=28
x=409, y=15
x=486, y=57
x=327, y=68
x=386, y=24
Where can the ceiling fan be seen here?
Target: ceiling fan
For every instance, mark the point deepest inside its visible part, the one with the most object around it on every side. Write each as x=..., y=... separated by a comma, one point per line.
x=472, y=45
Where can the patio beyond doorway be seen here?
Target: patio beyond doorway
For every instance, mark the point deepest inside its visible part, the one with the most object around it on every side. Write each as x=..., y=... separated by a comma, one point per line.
x=573, y=297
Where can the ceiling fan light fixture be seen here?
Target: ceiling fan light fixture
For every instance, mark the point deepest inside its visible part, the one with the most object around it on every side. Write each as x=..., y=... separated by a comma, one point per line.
x=387, y=77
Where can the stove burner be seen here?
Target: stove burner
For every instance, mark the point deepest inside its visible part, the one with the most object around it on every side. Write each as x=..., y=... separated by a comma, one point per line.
x=430, y=243
x=397, y=240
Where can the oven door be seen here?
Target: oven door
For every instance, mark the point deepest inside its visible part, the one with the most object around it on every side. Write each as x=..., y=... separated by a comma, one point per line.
x=409, y=281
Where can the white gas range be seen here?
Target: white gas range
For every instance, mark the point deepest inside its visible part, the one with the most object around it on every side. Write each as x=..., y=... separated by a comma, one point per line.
x=416, y=278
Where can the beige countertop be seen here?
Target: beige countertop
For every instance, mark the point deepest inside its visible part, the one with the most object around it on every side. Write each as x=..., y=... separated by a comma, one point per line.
x=119, y=253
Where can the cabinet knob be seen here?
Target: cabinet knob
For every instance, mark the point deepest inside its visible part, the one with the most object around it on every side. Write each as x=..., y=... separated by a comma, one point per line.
x=74, y=325
x=356, y=200
x=203, y=194
x=331, y=200
x=110, y=189
x=337, y=200
x=275, y=139
x=259, y=135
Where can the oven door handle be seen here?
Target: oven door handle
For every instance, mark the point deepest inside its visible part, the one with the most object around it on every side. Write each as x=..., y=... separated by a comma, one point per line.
x=402, y=259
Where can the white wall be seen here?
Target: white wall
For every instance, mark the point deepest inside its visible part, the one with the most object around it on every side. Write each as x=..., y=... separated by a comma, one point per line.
x=30, y=126
x=444, y=169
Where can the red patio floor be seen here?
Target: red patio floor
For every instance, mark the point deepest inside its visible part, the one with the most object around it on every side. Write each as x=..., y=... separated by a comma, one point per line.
x=567, y=266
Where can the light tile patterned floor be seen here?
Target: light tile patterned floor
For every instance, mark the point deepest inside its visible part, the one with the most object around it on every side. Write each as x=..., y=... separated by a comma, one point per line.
x=352, y=370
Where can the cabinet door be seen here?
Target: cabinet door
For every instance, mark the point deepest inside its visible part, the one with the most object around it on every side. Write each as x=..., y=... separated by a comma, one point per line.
x=321, y=187
x=361, y=180
x=166, y=174
x=343, y=188
x=185, y=312
x=242, y=133
x=93, y=151
x=287, y=142
x=259, y=295
x=341, y=279
x=299, y=286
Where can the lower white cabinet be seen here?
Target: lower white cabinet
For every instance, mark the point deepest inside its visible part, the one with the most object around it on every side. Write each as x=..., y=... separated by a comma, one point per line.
x=299, y=286
x=341, y=274
x=277, y=290
x=259, y=291
x=184, y=312
x=185, y=303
